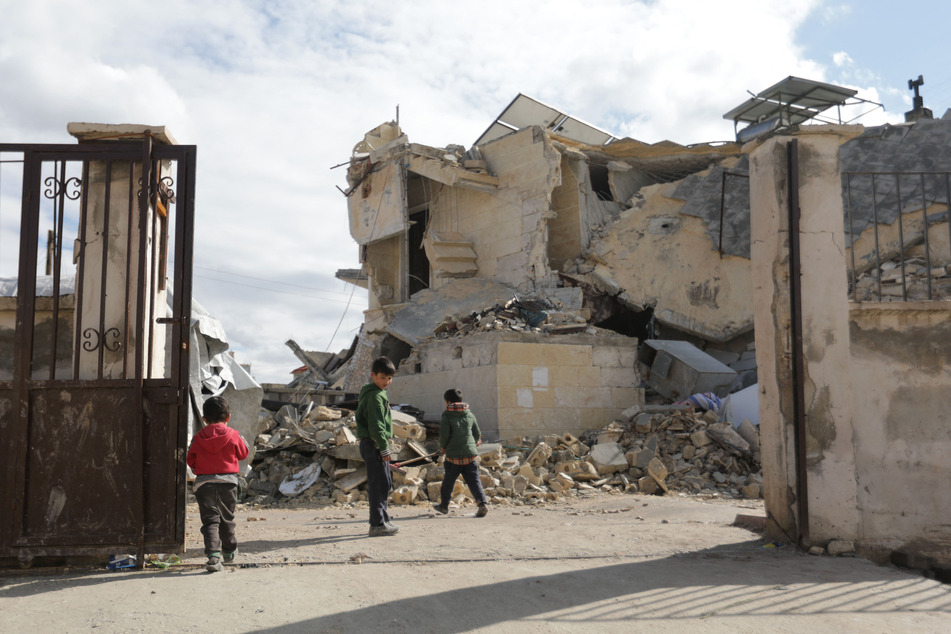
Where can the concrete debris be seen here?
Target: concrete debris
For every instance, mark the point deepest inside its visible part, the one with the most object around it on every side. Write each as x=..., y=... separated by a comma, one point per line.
x=670, y=450
x=905, y=280
x=543, y=315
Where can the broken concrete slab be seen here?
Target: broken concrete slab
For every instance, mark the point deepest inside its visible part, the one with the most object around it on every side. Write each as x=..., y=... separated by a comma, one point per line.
x=428, y=308
x=608, y=457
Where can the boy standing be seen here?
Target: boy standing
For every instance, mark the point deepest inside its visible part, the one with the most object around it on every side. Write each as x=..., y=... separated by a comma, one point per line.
x=374, y=430
x=213, y=456
x=459, y=435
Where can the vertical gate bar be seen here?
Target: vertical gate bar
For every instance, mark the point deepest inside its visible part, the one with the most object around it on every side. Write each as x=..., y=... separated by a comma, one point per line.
x=23, y=338
x=58, y=267
x=104, y=263
x=901, y=239
x=848, y=209
x=184, y=237
x=149, y=330
x=59, y=203
x=78, y=304
x=924, y=218
x=131, y=214
x=144, y=201
x=878, y=253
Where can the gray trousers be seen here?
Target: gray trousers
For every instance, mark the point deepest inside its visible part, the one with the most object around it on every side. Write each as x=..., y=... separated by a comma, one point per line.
x=216, y=502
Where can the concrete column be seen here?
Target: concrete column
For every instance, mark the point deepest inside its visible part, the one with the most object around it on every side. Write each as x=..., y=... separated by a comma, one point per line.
x=110, y=262
x=830, y=456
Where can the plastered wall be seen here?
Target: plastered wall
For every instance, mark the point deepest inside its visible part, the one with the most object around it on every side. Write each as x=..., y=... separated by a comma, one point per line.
x=878, y=434
x=520, y=386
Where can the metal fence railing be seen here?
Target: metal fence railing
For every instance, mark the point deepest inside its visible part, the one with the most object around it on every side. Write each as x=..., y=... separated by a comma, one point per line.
x=898, y=235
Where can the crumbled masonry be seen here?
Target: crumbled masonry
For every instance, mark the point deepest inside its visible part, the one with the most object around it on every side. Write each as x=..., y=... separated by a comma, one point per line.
x=663, y=449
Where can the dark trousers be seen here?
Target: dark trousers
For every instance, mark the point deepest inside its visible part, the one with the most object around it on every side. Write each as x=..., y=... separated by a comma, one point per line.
x=379, y=482
x=469, y=473
x=216, y=502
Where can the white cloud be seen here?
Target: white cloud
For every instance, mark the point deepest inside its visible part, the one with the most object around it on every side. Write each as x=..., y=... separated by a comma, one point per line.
x=274, y=94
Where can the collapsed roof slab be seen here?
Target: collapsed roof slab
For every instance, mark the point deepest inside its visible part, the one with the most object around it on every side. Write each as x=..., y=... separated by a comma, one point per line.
x=428, y=308
x=654, y=255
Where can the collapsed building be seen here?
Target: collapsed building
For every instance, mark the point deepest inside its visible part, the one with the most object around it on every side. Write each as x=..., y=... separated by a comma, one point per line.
x=525, y=269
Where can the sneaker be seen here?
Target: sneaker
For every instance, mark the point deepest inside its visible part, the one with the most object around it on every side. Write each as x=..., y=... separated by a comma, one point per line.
x=440, y=508
x=483, y=511
x=214, y=563
x=392, y=526
x=383, y=530
x=229, y=557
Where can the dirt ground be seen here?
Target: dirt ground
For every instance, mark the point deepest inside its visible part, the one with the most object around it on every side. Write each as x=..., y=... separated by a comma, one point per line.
x=601, y=563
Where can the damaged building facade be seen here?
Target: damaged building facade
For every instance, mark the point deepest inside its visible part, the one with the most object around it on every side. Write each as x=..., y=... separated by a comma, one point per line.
x=525, y=269
x=833, y=240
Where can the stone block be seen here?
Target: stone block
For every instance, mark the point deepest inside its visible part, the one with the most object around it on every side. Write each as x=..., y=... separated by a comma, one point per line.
x=410, y=431
x=540, y=455
x=432, y=490
x=657, y=471
x=689, y=451
x=750, y=433
x=347, y=452
x=840, y=547
x=526, y=471
x=641, y=458
x=353, y=480
x=642, y=424
x=343, y=497
x=647, y=485
x=519, y=484
x=631, y=412
x=752, y=491
x=323, y=435
x=700, y=438
x=404, y=495
x=343, y=436
x=608, y=458
x=563, y=481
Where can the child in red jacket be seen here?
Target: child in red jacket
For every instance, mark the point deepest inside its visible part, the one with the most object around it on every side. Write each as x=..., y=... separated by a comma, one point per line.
x=213, y=457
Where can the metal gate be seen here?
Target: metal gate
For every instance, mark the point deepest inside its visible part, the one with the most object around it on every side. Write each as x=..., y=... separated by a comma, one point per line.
x=94, y=370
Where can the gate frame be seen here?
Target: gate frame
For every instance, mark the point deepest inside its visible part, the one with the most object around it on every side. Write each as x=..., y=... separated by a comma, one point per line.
x=148, y=393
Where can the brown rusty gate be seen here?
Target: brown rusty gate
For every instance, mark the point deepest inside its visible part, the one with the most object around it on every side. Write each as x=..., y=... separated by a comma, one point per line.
x=94, y=370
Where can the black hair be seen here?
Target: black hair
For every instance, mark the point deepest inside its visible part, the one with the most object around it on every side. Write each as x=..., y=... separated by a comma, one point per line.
x=452, y=396
x=216, y=410
x=382, y=365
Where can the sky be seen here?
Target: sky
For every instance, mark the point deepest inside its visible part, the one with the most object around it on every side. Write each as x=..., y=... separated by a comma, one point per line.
x=275, y=93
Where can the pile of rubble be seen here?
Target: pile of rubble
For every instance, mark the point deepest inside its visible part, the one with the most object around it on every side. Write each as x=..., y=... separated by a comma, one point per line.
x=314, y=459
x=920, y=282
x=518, y=315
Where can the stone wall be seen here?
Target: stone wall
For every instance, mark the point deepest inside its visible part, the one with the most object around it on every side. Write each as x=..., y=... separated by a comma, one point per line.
x=526, y=385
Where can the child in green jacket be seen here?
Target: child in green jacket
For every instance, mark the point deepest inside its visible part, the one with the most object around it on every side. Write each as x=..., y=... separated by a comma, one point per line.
x=459, y=436
x=374, y=430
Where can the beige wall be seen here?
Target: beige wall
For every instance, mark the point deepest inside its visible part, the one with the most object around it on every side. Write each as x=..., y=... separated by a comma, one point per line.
x=878, y=438
x=526, y=385
x=663, y=258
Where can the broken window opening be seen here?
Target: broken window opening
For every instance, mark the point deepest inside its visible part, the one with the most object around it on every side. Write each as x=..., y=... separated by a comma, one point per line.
x=394, y=349
x=599, y=181
x=418, y=262
x=618, y=318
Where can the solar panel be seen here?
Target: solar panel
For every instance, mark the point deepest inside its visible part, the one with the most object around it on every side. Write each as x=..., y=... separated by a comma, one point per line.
x=524, y=111
x=793, y=100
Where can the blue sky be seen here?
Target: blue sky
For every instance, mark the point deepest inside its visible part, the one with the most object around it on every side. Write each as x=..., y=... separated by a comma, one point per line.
x=274, y=93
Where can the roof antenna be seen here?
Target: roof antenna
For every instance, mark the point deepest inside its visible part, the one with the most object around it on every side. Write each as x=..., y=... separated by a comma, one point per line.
x=918, y=110
x=398, y=113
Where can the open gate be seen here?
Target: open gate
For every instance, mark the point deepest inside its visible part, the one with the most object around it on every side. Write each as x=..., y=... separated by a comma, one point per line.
x=94, y=371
